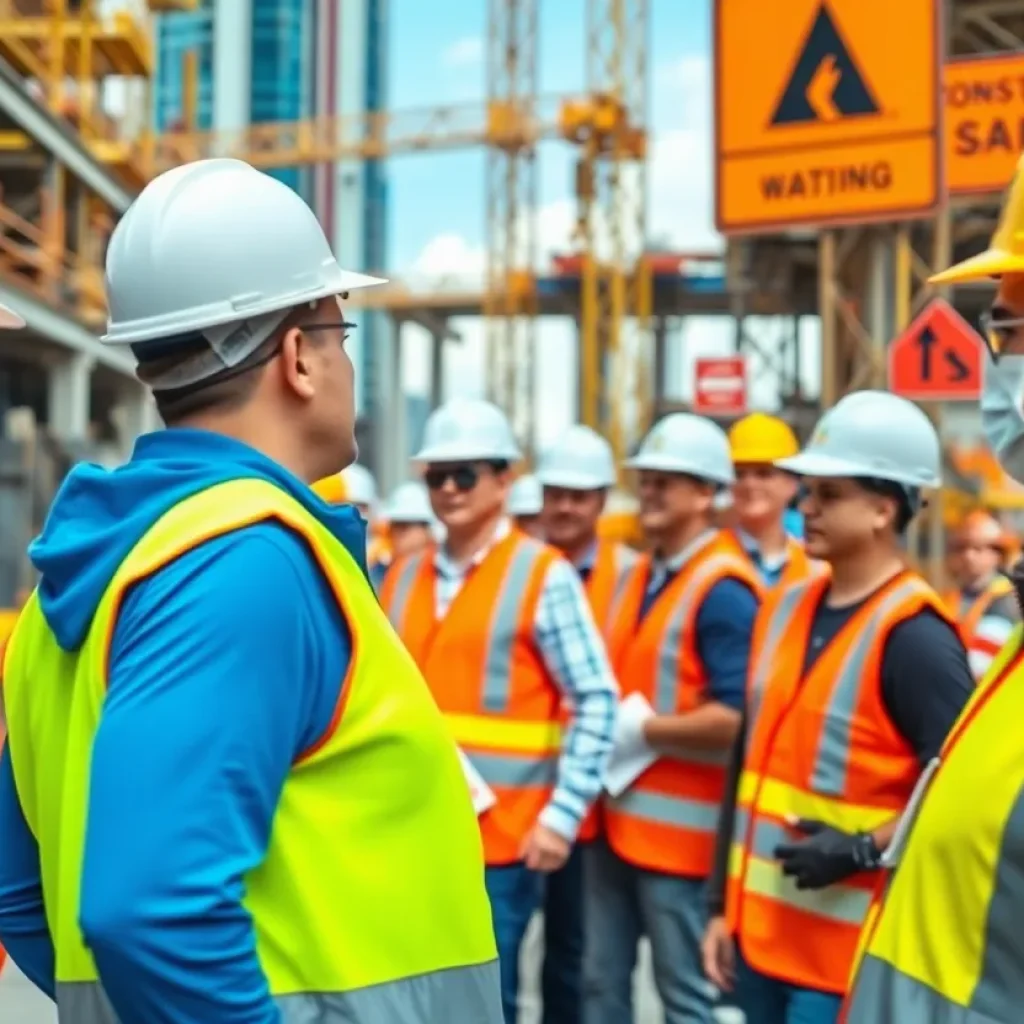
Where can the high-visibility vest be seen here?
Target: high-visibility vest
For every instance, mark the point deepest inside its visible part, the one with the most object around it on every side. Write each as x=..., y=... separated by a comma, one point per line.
x=944, y=944
x=820, y=747
x=487, y=676
x=666, y=820
x=799, y=565
x=374, y=842
x=968, y=619
x=610, y=571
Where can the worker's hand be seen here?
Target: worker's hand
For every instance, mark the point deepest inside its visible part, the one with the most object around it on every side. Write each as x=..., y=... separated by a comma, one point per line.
x=718, y=950
x=545, y=850
x=826, y=855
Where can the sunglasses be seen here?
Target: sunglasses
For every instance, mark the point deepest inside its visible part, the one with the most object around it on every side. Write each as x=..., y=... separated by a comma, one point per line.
x=465, y=478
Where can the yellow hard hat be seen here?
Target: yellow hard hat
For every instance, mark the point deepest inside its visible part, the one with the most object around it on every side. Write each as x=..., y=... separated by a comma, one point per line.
x=760, y=438
x=1005, y=254
x=332, y=489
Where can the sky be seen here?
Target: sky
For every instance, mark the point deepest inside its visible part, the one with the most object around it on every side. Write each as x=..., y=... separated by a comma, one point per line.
x=437, y=200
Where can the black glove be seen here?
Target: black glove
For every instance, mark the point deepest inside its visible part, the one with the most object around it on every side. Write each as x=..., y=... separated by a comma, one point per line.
x=826, y=856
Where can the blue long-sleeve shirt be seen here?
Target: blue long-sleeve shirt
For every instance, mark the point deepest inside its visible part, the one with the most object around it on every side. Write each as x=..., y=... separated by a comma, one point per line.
x=225, y=665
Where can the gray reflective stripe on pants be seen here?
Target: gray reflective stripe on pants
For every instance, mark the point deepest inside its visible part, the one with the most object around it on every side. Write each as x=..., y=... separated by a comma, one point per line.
x=884, y=995
x=469, y=994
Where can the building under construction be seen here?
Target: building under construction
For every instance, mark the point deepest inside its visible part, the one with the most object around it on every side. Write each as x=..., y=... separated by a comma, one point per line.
x=96, y=99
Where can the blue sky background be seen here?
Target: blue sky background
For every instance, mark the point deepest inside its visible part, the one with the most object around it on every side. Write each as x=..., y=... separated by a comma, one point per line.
x=437, y=200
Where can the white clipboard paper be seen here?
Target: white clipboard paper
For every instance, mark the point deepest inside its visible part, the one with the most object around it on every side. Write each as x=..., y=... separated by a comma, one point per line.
x=631, y=756
x=481, y=794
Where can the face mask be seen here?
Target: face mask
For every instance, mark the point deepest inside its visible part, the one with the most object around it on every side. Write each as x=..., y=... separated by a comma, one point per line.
x=1002, y=418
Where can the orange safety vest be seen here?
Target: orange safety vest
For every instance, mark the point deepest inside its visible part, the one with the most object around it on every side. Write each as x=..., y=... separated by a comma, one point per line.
x=666, y=820
x=820, y=747
x=608, y=575
x=799, y=565
x=482, y=665
x=967, y=622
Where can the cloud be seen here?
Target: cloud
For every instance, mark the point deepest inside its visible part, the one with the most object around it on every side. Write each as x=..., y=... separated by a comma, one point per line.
x=465, y=52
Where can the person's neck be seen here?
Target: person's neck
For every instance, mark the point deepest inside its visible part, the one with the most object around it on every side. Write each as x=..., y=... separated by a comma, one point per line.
x=463, y=543
x=860, y=574
x=262, y=433
x=578, y=549
x=674, y=541
x=769, y=535
x=977, y=585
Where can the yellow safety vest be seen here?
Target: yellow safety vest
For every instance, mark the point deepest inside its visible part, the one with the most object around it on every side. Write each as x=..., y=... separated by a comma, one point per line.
x=370, y=905
x=945, y=945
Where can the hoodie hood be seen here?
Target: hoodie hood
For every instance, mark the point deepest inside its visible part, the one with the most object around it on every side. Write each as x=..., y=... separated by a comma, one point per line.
x=99, y=515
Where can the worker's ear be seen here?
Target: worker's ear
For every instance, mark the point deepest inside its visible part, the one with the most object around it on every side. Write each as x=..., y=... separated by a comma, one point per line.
x=296, y=363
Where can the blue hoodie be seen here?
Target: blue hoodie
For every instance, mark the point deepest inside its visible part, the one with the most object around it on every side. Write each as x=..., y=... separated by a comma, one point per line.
x=225, y=666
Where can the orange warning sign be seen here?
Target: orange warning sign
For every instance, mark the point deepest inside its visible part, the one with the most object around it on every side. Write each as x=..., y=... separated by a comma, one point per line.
x=938, y=358
x=983, y=99
x=820, y=117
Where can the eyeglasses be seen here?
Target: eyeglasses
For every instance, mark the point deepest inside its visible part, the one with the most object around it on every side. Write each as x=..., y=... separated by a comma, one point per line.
x=465, y=478
x=344, y=326
x=998, y=329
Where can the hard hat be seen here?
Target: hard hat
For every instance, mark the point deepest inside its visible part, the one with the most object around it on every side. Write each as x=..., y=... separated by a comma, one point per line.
x=331, y=489
x=409, y=503
x=985, y=528
x=526, y=497
x=1005, y=254
x=872, y=434
x=216, y=242
x=685, y=443
x=9, y=320
x=760, y=438
x=581, y=460
x=468, y=430
x=360, y=487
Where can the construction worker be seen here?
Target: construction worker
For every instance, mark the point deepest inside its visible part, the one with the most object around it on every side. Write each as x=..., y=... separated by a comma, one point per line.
x=409, y=523
x=762, y=495
x=524, y=505
x=227, y=794
x=679, y=640
x=576, y=474
x=355, y=486
x=945, y=943
x=983, y=603
x=858, y=675
x=501, y=628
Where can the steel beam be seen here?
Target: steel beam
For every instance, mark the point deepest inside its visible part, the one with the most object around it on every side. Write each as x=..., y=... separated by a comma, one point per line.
x=58, y=139
x=43, y=319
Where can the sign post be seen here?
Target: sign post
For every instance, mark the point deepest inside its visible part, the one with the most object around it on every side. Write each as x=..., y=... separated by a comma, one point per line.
x=938, y=358
x=720, y=386
x=823, y=118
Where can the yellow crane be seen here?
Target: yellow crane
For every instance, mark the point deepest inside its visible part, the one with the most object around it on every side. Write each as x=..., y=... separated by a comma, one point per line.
x=57, y=44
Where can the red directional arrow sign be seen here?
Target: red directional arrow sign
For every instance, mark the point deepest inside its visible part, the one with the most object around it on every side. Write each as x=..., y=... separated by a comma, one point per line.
x=938, y=358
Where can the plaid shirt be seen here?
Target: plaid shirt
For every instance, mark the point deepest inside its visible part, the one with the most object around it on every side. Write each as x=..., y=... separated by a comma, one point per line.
x=574, y=654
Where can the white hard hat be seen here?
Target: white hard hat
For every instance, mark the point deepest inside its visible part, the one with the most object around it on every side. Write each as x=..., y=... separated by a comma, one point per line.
x=409, y=503
x=467, y=430
x=212, y=243
x=360, y=487
x=684, y=443
x=526, y=497
x=872, y=434
x=581, y=460
x=9, y=320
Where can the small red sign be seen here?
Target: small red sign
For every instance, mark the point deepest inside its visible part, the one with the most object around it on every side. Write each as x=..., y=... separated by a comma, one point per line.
x=720, y=385
x=938, y=358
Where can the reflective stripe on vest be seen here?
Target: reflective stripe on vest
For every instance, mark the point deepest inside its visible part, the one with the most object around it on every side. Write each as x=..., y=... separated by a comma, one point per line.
x=667, y=819
x=945, y=945
x=346, y=901
x=488, y=678
x=463, y=993
x=813, y=745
